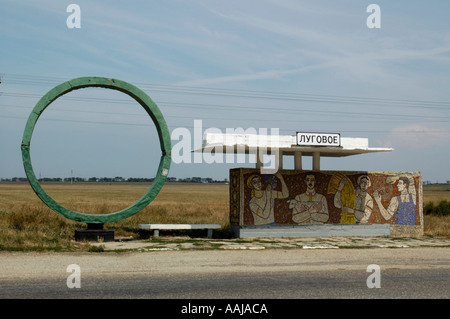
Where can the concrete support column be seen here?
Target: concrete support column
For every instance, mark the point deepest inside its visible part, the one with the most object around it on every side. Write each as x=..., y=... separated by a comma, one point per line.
x=259, y=159
x=298, y=161
x=316, y=161
x=279, y=159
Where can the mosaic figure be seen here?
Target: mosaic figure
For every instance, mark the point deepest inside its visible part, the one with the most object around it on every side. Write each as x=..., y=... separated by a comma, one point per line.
x=363, y=201
x=355, y=206
x=309, y=207
x=262, y=202
x=403, y=207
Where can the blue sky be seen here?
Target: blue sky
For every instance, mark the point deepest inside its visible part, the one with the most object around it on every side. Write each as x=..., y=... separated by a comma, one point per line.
x=292, y=65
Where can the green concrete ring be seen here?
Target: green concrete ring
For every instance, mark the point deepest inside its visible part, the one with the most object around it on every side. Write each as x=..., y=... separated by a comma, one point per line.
x=152, y=110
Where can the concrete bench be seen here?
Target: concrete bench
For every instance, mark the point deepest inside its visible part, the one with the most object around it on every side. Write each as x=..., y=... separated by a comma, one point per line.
x=157, y=227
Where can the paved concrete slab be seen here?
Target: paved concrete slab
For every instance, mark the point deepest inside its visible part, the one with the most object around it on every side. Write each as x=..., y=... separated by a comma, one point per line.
x=171, y=243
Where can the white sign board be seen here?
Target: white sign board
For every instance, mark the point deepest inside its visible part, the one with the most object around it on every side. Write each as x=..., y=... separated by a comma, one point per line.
x=318, y=139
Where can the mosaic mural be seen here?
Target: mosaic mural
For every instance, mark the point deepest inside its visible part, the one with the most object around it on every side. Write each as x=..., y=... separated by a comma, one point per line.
x=333, y=197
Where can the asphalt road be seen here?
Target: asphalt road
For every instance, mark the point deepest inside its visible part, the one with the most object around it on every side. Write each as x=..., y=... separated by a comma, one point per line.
x=260, y=274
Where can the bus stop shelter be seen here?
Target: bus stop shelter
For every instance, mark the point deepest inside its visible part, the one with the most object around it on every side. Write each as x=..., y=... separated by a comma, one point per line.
x=280, y=145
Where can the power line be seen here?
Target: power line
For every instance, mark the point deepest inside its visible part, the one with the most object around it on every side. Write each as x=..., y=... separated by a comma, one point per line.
x=240, y=107
x=290, y=130
x=202, y=117
x=359, y=117
x=178, y=89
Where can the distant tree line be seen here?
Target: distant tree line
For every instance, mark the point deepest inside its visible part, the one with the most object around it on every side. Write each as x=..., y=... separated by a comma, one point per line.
x=430, y=183
x=139, y=180
x=117, y=179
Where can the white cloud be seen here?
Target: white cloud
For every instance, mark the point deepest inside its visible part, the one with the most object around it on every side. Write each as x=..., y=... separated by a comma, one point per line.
x=416, y=137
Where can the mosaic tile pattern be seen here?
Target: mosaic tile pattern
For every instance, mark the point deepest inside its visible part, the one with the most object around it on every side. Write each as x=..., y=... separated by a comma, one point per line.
x=325, y=197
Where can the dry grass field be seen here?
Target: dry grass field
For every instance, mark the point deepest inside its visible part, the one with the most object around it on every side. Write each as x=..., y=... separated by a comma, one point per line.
x=436, y=225
x=28, y=224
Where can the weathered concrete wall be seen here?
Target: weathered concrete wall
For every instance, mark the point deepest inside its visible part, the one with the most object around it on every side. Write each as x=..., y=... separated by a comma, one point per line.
x=306, y=198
